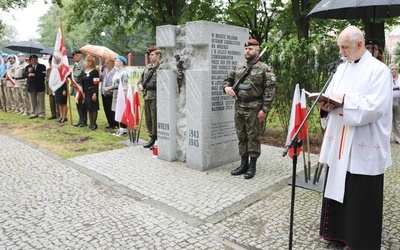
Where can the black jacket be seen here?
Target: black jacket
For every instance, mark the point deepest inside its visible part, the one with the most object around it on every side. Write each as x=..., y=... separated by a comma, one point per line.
x=37, y=82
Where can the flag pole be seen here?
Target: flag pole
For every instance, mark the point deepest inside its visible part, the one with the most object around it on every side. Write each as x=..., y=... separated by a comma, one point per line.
x=69, y=81
x=69, y=101
x=308, y=154
x=4, y=96
x=140, y=125
x=305, y=165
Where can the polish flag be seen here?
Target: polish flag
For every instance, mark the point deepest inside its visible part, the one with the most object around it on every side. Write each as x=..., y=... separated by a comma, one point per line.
x=136, y=106
x=10, y=78
x=297, y=115
x=128, y=116
x=59, y=64
x=120, y=107
x=79, y=90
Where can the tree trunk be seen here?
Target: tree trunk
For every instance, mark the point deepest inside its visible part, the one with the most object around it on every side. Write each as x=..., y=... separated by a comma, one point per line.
x=375, y=31
x=299, y=7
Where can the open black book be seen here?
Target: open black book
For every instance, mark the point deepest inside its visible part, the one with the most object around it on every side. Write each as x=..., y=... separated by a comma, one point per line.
x=325, y=98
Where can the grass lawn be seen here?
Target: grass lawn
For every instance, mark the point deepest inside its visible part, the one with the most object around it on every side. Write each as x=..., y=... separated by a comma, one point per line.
x=64, y=139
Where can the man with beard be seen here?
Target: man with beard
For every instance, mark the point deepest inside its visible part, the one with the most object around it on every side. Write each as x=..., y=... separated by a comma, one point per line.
x=252, y=103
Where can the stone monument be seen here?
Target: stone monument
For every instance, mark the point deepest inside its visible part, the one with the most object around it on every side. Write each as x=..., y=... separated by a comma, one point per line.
x=195, y=118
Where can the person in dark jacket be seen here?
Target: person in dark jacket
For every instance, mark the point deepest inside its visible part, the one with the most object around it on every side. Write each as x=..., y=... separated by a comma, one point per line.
x=36, y=75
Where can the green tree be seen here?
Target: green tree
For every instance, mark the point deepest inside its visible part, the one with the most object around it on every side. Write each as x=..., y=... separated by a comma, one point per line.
x=257, y=15
x=125, y=17
x=8, y=37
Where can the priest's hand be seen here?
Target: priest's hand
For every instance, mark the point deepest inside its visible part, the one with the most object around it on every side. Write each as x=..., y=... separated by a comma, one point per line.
x=326, y=106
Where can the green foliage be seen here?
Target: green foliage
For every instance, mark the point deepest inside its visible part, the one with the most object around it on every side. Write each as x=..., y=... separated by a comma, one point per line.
x=13, y=4
x=299, y=62
x=258, y=16
x=124, y=18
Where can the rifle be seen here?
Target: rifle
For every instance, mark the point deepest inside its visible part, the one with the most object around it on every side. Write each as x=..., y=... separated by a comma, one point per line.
x=247, y=70
x=146, y=84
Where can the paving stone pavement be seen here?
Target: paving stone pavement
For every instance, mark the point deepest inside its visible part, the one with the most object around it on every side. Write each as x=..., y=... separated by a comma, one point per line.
x=127, y=199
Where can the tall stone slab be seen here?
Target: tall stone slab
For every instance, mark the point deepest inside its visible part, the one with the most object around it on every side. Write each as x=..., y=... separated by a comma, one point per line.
x=209, y=51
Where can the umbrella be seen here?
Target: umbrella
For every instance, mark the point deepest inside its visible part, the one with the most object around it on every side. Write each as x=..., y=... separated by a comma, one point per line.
x=99, y=51
x=26, y=46
x=50, y=51
x=356, y=9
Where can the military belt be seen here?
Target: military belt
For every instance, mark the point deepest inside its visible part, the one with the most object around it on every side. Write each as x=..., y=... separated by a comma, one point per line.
x=249, y=99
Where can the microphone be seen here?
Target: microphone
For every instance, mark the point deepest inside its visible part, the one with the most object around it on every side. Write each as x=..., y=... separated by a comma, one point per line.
x=335, y=64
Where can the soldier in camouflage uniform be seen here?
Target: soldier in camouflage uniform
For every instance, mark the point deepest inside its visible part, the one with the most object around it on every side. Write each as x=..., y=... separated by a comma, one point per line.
x=148, y=84
x=252, y=103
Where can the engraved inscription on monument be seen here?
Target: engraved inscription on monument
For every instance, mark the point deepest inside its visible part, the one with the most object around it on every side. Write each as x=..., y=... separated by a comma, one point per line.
x=163, y=131
x=224, y=50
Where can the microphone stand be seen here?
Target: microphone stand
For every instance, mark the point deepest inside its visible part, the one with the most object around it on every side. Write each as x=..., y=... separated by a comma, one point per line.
x=295, y=143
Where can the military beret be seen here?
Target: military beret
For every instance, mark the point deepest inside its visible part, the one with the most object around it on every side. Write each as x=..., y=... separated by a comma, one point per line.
x=122, y=59
x=152, y=49
x=373, y=42
x=252, y=42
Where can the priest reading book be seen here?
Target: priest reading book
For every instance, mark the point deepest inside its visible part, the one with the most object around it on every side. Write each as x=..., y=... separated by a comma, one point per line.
x=325, y=98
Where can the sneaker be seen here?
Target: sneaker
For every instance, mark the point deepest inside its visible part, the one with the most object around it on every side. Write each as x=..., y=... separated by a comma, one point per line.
x=116, y=133
x=122, y=133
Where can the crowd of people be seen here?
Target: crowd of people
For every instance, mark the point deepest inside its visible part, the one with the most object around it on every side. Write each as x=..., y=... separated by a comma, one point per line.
x=26, y=81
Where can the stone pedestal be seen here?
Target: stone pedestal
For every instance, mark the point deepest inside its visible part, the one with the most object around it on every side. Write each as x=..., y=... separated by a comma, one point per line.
x=196, y=125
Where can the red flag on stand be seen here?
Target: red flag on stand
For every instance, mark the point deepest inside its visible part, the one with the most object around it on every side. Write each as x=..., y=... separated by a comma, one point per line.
x=297, y=115
x=136, y=106
x=127, y=117
x=59, y=64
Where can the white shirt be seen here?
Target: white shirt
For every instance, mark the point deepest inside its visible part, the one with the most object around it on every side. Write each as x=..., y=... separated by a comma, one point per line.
x=357, y=136
x=396, y=89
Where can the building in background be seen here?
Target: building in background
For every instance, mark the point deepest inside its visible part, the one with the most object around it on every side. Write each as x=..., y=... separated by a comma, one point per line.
x=391, y=43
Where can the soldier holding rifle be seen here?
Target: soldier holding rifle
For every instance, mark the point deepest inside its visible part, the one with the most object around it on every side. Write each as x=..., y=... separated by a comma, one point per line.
x=253, y=87
x=148, y=84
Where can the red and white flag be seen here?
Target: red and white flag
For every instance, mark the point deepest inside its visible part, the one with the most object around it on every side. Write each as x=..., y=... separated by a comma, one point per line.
x=297, y=115
x=10, y=78
x=79, y=90
x=59, y=64
x=120, y=107
x=136, y=106
x=128, y=117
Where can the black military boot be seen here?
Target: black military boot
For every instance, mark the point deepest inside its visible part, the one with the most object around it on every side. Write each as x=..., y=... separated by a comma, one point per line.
x=151, y=142
x=252, y=168
x=244, y=165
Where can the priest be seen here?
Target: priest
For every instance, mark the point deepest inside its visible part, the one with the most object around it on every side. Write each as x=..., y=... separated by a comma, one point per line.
x=356, y=146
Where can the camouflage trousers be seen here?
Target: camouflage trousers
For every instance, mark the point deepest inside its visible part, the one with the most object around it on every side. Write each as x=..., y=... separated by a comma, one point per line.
x=248, y=131
x=150, y=112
